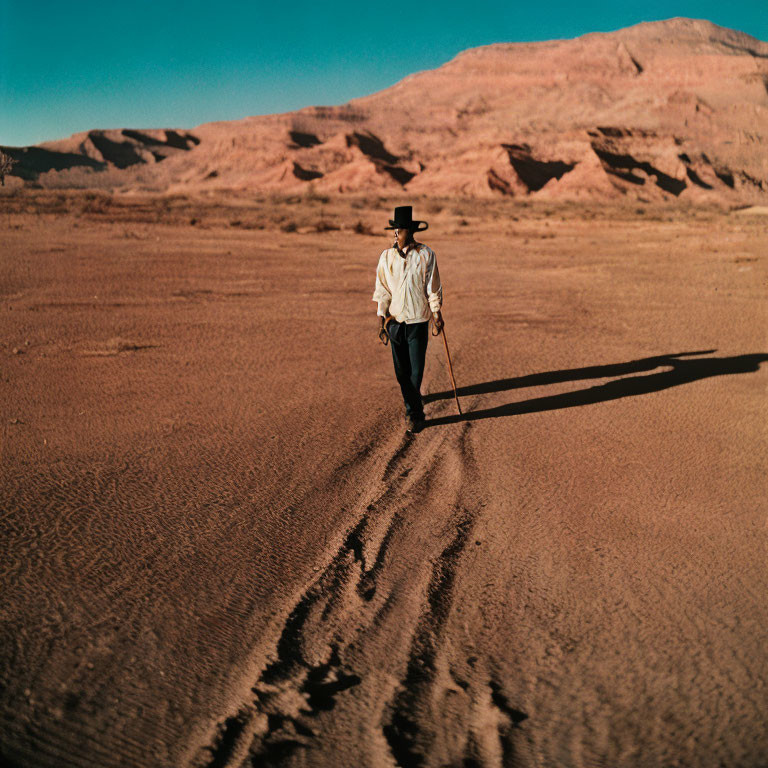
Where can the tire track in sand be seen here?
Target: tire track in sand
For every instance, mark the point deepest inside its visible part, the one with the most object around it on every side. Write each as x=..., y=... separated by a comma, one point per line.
x=447, y=710
x=306, y=671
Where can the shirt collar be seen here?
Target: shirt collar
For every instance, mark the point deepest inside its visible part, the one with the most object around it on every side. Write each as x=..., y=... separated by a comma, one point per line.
x=412, y=247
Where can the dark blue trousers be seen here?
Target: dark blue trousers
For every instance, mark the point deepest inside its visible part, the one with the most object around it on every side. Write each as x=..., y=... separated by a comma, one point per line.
x=409, y=350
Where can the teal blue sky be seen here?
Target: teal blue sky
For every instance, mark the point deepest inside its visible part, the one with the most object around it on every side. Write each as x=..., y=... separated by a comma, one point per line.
x=71, y=66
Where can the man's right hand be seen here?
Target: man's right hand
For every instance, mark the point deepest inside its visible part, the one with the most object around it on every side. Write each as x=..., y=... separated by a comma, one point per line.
x=383, y=329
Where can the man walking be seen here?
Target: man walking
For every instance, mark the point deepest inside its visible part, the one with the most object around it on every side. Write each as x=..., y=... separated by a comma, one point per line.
x=408, y=291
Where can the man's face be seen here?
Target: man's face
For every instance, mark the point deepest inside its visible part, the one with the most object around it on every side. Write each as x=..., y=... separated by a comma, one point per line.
x=403, y=235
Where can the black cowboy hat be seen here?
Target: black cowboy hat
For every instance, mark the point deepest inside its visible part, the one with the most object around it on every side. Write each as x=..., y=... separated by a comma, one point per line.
x=404, y=220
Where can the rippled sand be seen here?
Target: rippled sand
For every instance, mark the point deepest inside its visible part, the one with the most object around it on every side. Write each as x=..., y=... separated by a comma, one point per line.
x=220, y=549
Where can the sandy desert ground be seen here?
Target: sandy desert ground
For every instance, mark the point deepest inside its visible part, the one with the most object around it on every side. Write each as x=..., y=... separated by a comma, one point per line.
x=220, y=548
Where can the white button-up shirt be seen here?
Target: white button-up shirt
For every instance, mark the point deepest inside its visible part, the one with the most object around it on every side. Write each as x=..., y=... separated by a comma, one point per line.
x=408, y=288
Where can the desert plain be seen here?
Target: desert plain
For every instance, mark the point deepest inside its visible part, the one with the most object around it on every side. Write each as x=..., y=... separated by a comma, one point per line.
x=220, y=548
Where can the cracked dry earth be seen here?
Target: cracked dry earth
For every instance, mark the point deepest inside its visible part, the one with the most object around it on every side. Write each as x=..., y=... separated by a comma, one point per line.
x=221, y=551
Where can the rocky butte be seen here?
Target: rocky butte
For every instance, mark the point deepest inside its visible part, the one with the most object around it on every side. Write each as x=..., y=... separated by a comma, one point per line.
x=667, y=110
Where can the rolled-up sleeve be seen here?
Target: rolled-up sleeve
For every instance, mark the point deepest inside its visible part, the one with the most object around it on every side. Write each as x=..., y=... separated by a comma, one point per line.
x=381, y=293
x=434, y=288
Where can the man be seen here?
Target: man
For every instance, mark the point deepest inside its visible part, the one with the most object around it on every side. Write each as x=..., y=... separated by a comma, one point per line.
x=408, y=291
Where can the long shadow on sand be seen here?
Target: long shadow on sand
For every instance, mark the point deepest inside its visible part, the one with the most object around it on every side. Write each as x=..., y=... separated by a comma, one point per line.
x=683, y=371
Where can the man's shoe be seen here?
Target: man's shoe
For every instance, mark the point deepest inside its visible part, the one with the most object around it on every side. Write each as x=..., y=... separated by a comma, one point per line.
x=413, y=425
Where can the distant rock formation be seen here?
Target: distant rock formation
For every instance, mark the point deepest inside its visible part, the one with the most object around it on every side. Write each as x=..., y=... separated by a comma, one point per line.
x=665, y=110
x=97, y=151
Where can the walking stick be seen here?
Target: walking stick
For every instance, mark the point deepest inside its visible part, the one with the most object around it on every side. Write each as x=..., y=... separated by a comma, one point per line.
x=441, y=330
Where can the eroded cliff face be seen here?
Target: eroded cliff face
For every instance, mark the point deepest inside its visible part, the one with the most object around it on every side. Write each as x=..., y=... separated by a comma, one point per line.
x=676, y=109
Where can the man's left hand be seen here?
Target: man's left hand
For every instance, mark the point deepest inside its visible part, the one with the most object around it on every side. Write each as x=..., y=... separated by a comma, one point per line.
x=438, y=320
